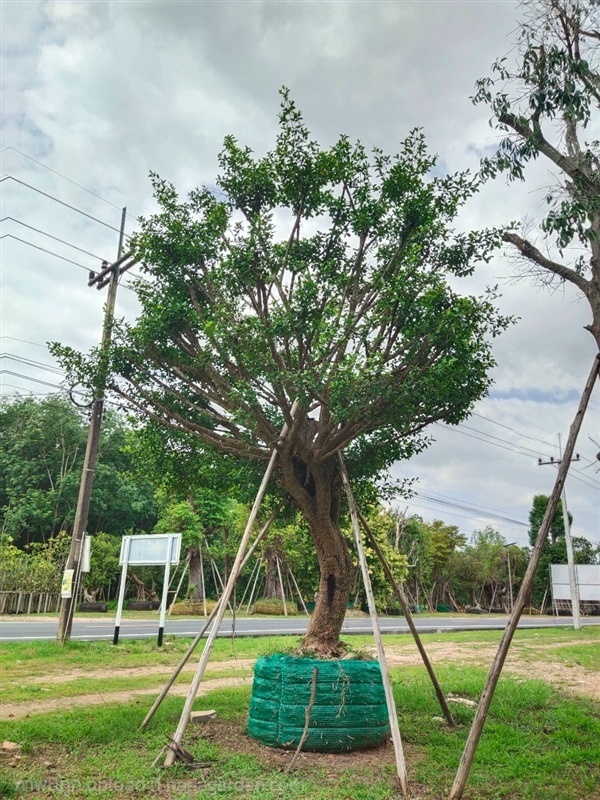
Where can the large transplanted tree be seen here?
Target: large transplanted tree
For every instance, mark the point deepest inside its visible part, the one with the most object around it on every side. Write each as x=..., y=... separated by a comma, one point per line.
x=319, y=275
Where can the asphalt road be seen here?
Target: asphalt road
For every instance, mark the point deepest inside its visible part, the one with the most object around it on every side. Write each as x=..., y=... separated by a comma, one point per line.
x=16, y=630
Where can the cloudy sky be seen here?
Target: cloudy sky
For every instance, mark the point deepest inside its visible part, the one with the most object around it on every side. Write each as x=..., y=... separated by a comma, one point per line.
x=96, y=94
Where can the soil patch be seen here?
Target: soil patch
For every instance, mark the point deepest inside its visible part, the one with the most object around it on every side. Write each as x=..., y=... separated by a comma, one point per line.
x=232, y=736
x=133, y=672
x=19, y=710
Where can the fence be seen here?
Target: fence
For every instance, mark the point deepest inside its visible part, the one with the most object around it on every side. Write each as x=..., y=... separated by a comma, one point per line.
x=29, y=602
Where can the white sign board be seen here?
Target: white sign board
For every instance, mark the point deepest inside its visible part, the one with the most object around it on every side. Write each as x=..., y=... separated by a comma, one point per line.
x=150, y=550
x=587, y=577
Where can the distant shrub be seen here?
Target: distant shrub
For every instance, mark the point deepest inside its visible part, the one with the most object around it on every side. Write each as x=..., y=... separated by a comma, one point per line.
x=273, y=607
x=189, y=609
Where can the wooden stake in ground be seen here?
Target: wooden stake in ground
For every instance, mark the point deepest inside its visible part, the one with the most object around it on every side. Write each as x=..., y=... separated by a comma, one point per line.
x=496, y=668
x=235, y=571
x=399, y=592
x=387, y=684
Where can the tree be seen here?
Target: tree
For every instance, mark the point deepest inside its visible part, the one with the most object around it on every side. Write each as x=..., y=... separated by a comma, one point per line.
x=350, y=313
x=42, y=445
x=555, y=99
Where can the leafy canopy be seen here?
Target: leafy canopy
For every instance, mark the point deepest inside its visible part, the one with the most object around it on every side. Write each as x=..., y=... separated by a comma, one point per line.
x=312, y=273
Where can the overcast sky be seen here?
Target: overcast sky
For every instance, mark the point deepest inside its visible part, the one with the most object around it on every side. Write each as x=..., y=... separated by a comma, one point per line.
x=102, y=92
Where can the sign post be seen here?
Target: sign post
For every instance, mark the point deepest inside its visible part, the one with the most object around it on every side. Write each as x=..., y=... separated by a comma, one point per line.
x=161, y=549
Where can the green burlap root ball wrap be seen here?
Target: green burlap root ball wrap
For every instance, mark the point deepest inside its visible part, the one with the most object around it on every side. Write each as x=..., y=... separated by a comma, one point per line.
x=349, y=711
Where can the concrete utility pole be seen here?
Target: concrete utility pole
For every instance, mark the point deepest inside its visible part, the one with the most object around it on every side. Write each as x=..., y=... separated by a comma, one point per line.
x=109, y=274
x=573, y=587
x=510, y=586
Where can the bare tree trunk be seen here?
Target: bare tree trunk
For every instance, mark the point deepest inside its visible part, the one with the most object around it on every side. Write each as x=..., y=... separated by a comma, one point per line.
x=196, y=578
x=272, y=584
x=317, y=491
x=140, y=586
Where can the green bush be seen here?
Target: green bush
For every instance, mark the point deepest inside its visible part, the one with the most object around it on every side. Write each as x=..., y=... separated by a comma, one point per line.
x=190, y=609
x=273, y=607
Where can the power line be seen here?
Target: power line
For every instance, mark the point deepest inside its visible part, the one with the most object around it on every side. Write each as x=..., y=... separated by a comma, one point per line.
x=62, y=202
x=60, y=175
x=520, y=419
x=26, y=341
x=32, y=363
x=29, y=378
x=44, y=250
x=51, y=236
x=57, y=255
x=518, y=433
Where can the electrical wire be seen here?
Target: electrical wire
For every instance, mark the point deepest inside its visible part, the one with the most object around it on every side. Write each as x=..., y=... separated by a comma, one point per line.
x=26, y=341
x=56, y=238
x=62, y=203
x=33, y=363
x=60, y=175
x=35, y=380
x=44, y=250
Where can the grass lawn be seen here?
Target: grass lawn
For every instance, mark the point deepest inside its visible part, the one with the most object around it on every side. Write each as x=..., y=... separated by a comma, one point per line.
x=538, y=744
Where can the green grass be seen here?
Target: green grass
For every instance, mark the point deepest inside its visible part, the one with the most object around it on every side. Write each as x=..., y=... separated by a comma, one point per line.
x=40, y=658
x=536, y=745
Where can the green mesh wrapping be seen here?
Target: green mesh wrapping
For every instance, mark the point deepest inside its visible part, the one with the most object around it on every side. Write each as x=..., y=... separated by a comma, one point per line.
x=349, y=710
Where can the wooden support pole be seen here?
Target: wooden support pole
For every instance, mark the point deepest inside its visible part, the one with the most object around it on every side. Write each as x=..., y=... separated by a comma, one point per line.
x=281, y=585
x=235, y=571
x=250, y=579
x=387, y=684
x=399, y=592
x=252, y=593
x=298, y=591
x=176, y=595
x=496, y=668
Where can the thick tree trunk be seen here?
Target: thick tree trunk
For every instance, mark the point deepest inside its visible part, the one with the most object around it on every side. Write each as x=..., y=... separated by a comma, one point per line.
x=317, y=492
x=272, y=584
x=196, y=577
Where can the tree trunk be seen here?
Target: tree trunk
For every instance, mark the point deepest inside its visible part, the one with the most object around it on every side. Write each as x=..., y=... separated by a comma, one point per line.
x=317, y=492
x=272, y=584
x=195, y=577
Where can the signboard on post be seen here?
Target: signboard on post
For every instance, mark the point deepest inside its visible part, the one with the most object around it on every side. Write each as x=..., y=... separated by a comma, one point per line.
x=154, y=550
x=587, y=577
x=66, y=587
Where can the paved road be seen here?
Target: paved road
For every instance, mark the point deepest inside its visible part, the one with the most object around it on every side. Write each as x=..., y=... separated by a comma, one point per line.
x=87, y=629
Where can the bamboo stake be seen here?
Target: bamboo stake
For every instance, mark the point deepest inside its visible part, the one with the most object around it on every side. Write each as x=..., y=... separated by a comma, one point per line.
x=387, y=684
x=250, y=579
x=200, y=669
x=253, y=588
x=298, y=591
x=496, y=668
x=399, y=591
x=185, y=658
x=281, y=585
x=174, y=600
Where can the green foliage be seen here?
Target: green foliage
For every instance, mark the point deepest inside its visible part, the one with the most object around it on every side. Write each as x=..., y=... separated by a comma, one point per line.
x=39, y=569
x=42, y=446
x=352, y=311
x=104, y=564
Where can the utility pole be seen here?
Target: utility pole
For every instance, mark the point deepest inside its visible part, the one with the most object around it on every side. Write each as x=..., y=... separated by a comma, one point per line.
x=573, y=587
x=510, y=586
x=110, y=274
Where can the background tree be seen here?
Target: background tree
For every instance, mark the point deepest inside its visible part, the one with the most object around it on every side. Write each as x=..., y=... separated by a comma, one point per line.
x=548, y=102
x=350, y=312
x=42, y=445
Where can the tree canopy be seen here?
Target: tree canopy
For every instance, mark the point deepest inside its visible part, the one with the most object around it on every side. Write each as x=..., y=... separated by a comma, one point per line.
x=316, y=275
